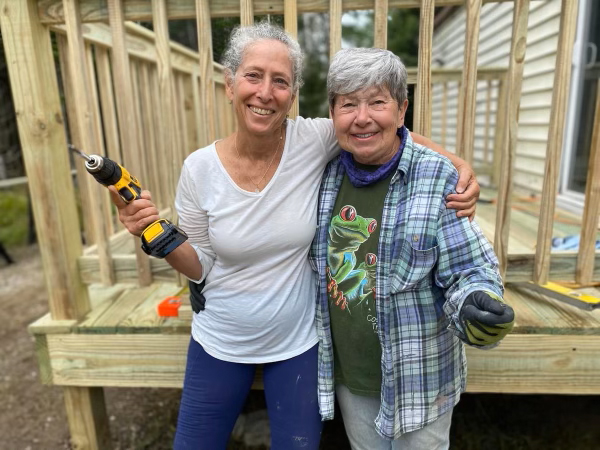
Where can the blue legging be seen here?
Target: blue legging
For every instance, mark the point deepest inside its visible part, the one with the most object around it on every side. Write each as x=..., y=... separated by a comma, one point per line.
x=214, y=393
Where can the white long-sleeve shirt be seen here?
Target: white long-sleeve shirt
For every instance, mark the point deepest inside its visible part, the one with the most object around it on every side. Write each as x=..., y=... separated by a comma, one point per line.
x=253, y=247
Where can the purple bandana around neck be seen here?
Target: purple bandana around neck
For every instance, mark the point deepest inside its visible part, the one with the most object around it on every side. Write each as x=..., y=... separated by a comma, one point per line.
x=361, y=178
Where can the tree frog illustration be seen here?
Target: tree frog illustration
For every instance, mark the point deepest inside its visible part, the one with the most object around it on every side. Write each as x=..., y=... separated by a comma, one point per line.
x=347, y=232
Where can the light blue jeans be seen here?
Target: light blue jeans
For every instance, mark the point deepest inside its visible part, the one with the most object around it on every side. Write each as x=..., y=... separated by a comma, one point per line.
x=359, y=415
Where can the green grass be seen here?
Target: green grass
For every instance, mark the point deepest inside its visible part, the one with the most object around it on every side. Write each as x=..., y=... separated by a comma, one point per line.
x=14, y=218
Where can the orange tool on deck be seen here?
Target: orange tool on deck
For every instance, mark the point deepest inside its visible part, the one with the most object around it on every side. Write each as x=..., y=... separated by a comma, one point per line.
x=169, y=307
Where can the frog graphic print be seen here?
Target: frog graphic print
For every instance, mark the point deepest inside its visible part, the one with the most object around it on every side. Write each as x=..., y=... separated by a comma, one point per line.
x=352, y=262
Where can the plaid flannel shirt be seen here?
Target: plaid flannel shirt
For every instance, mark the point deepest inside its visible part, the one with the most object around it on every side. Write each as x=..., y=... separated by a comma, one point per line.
x=428, y=262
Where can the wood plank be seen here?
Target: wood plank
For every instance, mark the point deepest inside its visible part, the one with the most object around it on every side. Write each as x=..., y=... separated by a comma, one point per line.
x=116, y=312
x=43, y=358
x=539, y=314
x=561, y=267
x=136, y=360
x=127, y=118
x=88, y=421
x=514, y=82
x=34, y=86
x=140, y=10
x=46, y=325
x=134, y=65
x=290, y=20
x=182, y=108
x=499, y=129
x=207, y=89
x=87, y=131
x=144, y=318
x=591, y=210
x=140, y=43
x=521, y=364
x=199, y=123
x=335, y=27
x=107, y=103
x=380, y=28
x=423, y=96
x=537, y=364
x=101, y=304
x=125, y=269
x=468, y=90
x=96, y=119
x=246, y=12
x=82, y=176
x=560, y=94
x=149, y=131
x=486, y=135
x=169, y=133
x=444, y=113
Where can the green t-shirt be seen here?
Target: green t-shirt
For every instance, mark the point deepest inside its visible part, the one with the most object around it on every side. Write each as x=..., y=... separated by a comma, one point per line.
x=351, y=270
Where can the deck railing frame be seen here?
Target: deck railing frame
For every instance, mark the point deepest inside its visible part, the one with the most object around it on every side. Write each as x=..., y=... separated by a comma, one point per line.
x=110, y=71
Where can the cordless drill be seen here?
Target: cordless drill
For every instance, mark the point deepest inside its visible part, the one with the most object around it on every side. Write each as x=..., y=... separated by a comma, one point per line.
x=159, y=238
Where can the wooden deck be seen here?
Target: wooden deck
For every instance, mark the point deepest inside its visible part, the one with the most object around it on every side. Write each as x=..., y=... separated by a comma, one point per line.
x=554, y=348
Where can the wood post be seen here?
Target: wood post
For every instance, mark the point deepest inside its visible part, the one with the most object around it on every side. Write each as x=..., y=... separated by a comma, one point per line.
x=88, y=421
x=205, y=49
x=560, y=94
x=246, y=12
x=290, y=17
x=132, y=156
x=41, y=130
x=514, y=81
x=422, y=112
x=87, y=130
x=44, y=145
x=499, y=130
x=168, y=132
x=468, y=92
x=381, y=24
x=335, y=27
x=591, y=211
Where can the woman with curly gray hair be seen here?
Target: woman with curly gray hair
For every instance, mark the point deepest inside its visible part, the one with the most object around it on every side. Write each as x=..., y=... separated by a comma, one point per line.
x=248, y=203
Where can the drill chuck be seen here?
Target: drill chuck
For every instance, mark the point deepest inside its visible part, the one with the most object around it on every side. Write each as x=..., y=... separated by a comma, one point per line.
x=104, y=170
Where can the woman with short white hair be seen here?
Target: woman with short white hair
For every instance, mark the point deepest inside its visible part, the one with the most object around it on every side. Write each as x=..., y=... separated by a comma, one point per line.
x=402, y=280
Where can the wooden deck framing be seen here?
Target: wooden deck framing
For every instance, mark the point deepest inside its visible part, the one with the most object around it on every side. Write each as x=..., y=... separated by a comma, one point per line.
x=554, y=347
x=138, y=98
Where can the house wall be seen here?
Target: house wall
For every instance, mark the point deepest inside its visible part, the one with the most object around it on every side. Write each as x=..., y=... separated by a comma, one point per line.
x=494, y=49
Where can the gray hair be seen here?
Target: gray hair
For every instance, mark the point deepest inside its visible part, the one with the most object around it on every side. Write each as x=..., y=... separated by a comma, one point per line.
x=354, y=69
x=244, y=37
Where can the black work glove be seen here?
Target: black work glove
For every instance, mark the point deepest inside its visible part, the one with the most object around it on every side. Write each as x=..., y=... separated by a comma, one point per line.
x=485, y=319
x=197, y=298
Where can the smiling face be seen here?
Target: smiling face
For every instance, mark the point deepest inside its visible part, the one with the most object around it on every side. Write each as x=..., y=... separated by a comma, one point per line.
x=261, y=90
x=366, y=122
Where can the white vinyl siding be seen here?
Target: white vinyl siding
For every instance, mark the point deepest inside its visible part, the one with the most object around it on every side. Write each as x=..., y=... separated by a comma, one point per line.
x=494, y=48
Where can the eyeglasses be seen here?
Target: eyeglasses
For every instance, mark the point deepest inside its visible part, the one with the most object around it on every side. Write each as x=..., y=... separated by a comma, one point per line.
x=346, y=105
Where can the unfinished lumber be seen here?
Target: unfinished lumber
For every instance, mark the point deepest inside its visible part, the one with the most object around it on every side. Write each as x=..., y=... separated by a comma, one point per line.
x=422, y=111
x=468, y=90
x=94, y=11
x=560, y=94
x=41, y=131
x=509, y=133
x=290, y=18
x=88, y=421
x=132, y=156
x=205, y=50
x=380, y=31
x=591, y=210
x=335, y=27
